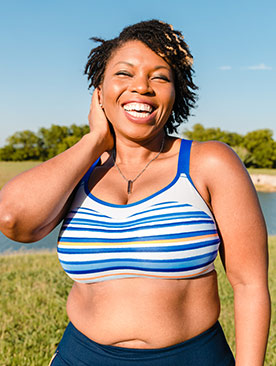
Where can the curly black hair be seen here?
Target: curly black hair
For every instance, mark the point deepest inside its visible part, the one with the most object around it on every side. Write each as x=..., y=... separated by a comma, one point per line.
x=166, y=42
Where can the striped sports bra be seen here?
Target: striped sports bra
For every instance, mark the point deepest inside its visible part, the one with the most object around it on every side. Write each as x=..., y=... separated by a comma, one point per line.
x=169, y=235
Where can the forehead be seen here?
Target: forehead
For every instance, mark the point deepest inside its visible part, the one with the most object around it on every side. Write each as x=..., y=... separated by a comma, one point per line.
x=136, y=53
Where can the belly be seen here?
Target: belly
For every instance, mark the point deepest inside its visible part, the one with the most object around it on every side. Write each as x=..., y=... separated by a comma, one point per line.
x=144, y=313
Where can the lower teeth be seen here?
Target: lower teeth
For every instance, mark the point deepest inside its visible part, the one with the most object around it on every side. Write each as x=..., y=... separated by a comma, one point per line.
x=138, y=114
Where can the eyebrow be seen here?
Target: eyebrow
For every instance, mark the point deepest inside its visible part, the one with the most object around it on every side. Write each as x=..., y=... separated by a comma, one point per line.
x=155, y=68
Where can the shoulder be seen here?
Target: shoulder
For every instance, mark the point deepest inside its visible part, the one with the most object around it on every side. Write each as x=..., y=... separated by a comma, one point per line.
x=214, y=152
x=211, y=155
x=216, y=166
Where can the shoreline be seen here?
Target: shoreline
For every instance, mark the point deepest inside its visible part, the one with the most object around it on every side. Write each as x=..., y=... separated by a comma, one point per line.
x=264, y=182
x=20, y=252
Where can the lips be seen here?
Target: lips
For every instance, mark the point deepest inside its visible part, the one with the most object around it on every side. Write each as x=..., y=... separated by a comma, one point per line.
x=138, y=109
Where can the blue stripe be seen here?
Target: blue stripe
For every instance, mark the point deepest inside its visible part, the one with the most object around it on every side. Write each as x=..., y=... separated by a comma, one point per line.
x=159, y=209
x=119, y=231
x=166, y=203
x=140, y=268
x=178, y=216
x=138, y=260
x=171, y=248
x=137, y=238
x=137, y=203
x=85, y=209
x=88, y=213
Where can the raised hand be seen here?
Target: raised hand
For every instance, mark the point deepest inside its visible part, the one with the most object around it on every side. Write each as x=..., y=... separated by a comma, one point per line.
x=98, y=122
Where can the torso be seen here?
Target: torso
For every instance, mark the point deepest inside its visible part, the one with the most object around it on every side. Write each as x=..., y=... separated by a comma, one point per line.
x=143, y=312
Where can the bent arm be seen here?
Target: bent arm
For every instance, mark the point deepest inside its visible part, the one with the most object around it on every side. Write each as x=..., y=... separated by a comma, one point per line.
x=34, y=202
x=244, y=246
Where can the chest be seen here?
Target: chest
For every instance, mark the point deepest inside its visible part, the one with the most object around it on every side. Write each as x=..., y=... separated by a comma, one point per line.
x=169, y=234
x=112, y=185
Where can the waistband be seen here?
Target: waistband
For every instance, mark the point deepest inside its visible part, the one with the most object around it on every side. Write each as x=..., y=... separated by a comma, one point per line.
x=115, y=350
x=211, y=344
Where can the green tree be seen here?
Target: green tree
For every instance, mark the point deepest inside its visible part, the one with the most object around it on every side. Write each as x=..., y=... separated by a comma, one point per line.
x=7, y=153
x=199, y=133
x=246, y=157
x=51, y=138
x=23, y=145
x=75, y=134
x=48, y=142
x=57, y=139
x=255, y=149
x=262, y=147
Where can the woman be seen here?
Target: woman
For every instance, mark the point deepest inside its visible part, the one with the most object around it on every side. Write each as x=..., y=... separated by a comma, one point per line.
x=145, y=214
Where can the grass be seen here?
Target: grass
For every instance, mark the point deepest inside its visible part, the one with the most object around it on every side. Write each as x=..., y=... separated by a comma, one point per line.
x=9, y=169
x=34, y=290
x=262, y=171
x=33, y=297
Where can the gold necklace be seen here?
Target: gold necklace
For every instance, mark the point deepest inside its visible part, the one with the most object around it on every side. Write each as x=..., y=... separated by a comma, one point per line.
x=131, y=181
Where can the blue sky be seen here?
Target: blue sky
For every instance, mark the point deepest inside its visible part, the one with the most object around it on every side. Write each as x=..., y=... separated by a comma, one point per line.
x=44, y=47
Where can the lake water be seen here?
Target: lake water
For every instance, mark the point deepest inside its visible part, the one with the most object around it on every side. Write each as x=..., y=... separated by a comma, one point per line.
x=267, y=200
x=268, y=203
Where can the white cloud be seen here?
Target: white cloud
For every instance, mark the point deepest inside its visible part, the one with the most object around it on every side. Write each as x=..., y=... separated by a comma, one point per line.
x=259, y=67
x=226, y=67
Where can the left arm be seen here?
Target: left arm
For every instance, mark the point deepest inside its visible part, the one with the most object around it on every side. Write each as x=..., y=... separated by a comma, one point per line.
x=244, y=246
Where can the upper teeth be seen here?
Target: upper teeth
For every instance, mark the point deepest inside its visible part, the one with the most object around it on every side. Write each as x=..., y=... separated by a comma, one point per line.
x=138, y=107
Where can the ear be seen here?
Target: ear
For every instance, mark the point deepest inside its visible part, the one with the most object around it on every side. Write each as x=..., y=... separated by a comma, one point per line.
x=100, y=94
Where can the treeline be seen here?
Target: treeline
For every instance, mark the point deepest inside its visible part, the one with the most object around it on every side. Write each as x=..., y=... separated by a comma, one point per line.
x=256, y=149
x=48, y=142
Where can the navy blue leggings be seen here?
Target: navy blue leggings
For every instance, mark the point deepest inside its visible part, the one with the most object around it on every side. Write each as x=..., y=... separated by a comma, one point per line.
x=207, y=349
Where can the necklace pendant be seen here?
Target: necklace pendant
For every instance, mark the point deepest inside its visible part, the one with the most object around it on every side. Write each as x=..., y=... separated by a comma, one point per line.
x=130, y=182
x=129, y=186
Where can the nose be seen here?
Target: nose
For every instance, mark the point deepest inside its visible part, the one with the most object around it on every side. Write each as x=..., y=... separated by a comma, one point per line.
x=141, y=84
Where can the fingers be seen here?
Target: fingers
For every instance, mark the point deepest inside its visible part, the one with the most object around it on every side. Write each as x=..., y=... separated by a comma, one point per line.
x=96, y=98
x=98, y=121
x=95, y=107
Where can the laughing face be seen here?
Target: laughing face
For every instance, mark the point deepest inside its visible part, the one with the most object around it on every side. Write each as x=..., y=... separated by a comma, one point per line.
x=137, y=92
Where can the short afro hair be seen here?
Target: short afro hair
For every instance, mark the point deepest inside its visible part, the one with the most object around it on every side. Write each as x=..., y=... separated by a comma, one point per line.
x=167, y=43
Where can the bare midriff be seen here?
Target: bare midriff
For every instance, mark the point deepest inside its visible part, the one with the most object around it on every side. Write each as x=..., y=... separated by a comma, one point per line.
x=144, y=313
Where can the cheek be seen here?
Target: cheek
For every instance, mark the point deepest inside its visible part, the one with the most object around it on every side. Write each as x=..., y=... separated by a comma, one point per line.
x=110, y=94
x=111, y=91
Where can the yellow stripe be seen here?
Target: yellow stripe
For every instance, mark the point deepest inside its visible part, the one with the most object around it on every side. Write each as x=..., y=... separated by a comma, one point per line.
x=139, y=275
x=137, y=242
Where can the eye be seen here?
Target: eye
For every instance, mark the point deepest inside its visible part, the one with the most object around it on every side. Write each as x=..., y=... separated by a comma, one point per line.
x=123, y=73
x=161, y=77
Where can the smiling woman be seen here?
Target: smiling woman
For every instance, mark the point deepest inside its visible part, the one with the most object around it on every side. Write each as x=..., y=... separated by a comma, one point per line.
x=144, y=215
x=162, y=40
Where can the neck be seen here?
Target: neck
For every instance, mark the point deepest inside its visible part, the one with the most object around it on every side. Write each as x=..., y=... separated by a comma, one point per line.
x=137, y=152
x=131, y=181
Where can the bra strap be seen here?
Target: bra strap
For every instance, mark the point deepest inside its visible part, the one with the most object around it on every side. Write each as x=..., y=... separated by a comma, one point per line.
x=89, y=171
x=184, y=157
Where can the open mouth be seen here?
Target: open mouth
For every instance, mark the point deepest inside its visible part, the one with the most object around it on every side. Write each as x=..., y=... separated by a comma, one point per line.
x=138, y=110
